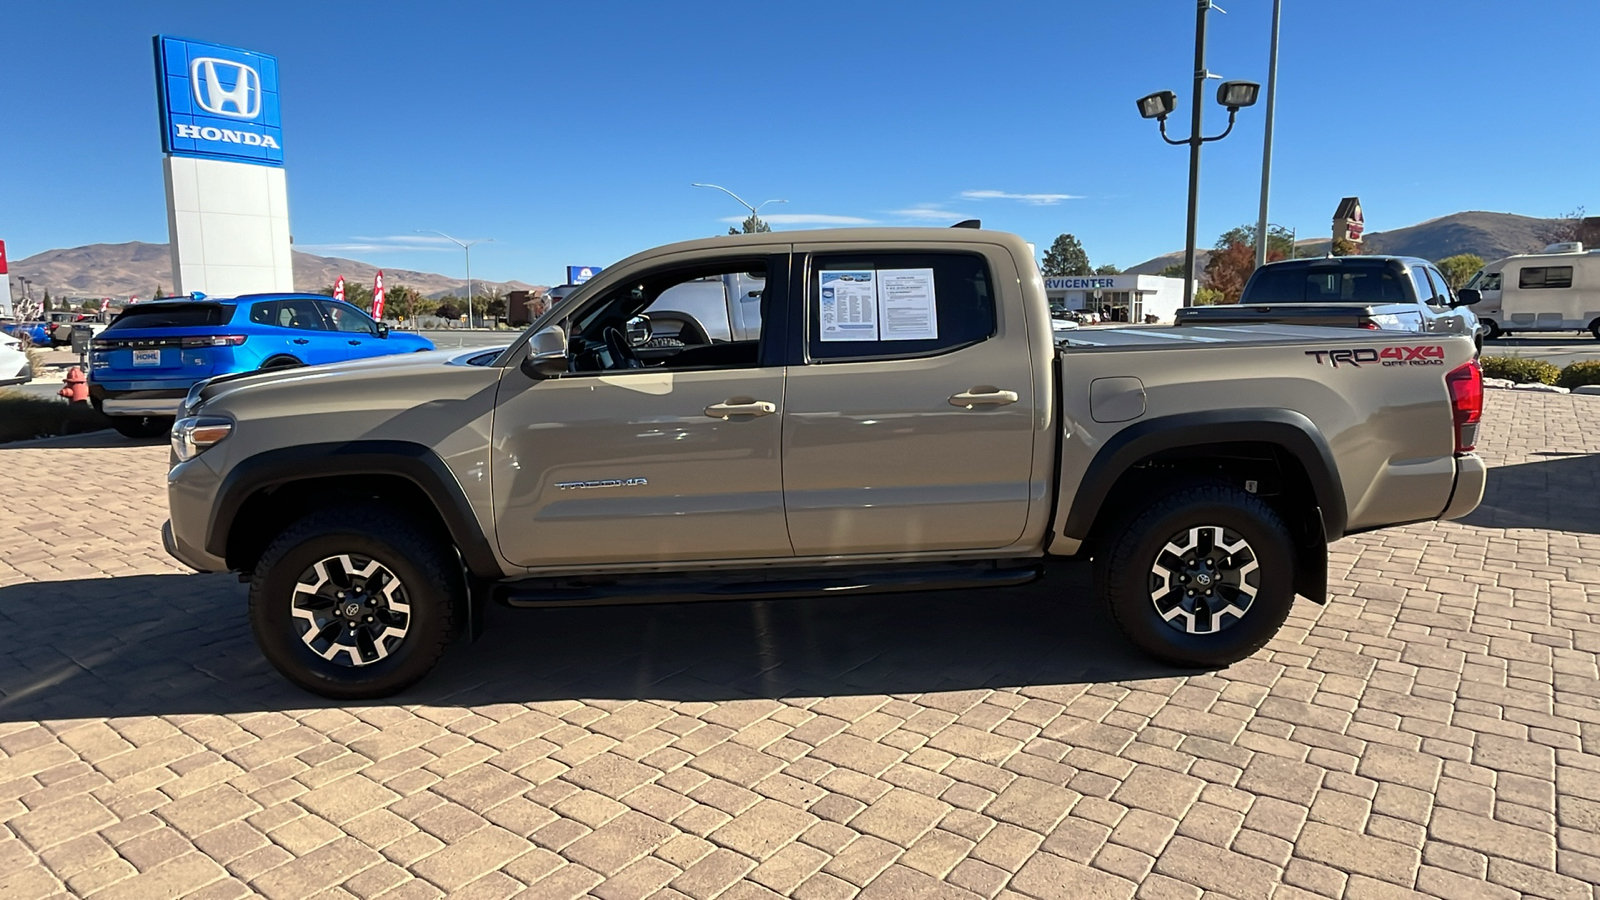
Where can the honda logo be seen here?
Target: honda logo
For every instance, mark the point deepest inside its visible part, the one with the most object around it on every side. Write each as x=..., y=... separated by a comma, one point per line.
x=241, y=101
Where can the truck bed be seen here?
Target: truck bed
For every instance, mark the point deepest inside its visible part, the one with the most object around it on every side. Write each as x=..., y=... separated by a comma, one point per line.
x=1345, y=315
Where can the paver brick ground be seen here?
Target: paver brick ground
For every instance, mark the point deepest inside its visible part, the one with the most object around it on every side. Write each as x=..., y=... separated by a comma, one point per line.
x=1434, y=730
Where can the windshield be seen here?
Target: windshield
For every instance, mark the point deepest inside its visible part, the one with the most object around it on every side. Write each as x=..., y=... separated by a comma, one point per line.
x=172, y=315
x=1312, y=283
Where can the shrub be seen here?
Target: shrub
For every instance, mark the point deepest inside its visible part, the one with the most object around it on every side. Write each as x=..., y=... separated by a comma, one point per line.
x=1522, y=371
x=23, y=416
x=1579, y=374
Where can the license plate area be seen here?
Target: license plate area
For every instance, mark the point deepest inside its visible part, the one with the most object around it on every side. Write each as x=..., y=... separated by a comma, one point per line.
x=147, y=357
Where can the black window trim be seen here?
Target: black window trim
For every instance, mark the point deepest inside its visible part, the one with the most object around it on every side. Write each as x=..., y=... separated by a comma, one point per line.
x=803, y=353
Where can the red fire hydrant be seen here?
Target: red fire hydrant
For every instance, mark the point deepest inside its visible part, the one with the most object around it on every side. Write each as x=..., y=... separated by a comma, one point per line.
x=76, y=389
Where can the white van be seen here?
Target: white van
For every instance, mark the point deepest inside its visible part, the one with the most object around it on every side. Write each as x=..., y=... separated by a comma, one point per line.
x=1557, y=290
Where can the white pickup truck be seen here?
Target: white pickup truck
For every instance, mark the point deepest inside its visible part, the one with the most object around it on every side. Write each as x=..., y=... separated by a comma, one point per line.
x=899, y=416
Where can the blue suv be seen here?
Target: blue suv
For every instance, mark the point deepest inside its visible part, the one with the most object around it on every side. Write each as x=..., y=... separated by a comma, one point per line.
x=143, y=364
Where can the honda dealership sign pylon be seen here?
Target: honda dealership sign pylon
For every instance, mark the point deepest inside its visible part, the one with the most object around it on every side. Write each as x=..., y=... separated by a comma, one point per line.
x=227, y=199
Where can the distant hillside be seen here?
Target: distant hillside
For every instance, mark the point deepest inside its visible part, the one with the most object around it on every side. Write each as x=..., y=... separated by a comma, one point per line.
x=136, y=268
x=1490, y=235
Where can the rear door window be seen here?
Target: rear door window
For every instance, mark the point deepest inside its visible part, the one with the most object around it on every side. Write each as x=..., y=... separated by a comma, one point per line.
x=299, y=313
x=894, y=305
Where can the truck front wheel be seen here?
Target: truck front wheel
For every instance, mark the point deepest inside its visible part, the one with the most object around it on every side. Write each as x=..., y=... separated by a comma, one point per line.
x=1202, y=577
x=355, y=603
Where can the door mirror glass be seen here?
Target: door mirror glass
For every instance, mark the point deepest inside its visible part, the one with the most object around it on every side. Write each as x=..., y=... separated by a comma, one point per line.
x=382, y=329
x=639, y=331
x=547, y=353
x=1467, y=297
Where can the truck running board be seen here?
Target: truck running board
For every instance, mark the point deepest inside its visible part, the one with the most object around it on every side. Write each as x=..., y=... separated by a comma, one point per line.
x=763, y=584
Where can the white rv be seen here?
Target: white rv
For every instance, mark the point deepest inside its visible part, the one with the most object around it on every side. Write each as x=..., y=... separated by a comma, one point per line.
x=1557, y=290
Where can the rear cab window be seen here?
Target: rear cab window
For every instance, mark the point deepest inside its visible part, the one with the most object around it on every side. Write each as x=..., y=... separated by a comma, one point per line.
x=172, y=315
x=886, y=305
x=1316, y=281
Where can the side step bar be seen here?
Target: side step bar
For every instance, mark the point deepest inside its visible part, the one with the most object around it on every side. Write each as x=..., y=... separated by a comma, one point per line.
x=763, y=584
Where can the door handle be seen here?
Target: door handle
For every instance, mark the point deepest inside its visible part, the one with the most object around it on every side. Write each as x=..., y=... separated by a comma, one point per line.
x=983, y=396
x=730, y=408
x=354, y=343
x=301, y=341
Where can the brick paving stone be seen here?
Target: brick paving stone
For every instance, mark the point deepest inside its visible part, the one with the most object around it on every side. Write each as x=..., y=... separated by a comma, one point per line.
x=1432, y=731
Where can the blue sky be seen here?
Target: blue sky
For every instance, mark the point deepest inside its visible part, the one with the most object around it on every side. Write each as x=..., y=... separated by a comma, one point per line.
x=570, y=132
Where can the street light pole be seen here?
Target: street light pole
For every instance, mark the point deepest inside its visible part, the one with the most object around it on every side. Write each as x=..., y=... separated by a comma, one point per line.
x=466, y=247
x=1201, y=8
x=753, y=209
x=1266, y=146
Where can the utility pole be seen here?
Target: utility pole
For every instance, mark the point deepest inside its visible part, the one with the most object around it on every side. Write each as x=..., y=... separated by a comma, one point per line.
x=1201, y=8
x=1266, y=147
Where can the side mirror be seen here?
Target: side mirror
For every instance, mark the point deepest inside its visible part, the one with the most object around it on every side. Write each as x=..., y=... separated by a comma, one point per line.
x=382, y=329
x=1468, y=297
x=639, y=331
x=547, y=353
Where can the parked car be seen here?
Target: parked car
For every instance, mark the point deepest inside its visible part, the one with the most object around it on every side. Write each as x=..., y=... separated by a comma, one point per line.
x=1557, y=290
x=1380, y=293
x=32, y=334
x=145, y=361
x=14, y=365
x=958, y=446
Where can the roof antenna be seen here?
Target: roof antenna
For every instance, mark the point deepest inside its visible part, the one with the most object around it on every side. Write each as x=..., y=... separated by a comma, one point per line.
x=968, y=223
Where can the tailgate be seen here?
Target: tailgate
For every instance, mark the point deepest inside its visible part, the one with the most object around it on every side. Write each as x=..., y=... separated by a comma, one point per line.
x=1282, y=313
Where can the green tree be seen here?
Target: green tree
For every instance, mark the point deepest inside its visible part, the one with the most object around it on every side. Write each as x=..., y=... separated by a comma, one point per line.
x=1066, y=257
x=1209, y=297
x=48, y=305
x=1234, y=258
x=449, y=308
x=1173, y=271
x=1280, y=240
x=753, y=224
x=1107, y=269
x=355, y=293
x=403, y=301
x=159, y=292
x=1457, y=269
x=1343, y=247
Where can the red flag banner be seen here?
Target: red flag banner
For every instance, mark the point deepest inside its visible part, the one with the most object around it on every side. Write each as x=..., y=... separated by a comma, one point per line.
x=377, y=296
x=4, y=266
x=338, y=288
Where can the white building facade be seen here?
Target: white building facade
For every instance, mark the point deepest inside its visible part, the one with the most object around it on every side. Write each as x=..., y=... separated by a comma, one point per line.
x=1122, y=298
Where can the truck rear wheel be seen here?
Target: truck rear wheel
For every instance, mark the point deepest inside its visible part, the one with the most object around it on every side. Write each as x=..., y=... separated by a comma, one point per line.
x=355, y=603
x=1202, y=577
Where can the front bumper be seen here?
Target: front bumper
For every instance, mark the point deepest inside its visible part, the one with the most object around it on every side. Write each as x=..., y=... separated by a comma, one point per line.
x=197, y=560
x=1472, y=474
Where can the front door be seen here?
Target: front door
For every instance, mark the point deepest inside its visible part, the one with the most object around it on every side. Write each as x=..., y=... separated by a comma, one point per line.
x=644, y=458
x=911, y=425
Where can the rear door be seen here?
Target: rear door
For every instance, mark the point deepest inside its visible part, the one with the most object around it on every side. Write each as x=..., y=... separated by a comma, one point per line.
x=352, y=326
x=909, y=422
x=305, y=333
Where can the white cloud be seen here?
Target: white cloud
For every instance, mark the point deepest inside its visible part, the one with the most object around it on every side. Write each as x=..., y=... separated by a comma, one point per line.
x=1031, y=199
x=927, y=214
x=803, y=219
x=394, y=243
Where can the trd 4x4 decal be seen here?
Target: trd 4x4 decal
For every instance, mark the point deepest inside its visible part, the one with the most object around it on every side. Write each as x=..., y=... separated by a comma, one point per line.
x=1421, y=355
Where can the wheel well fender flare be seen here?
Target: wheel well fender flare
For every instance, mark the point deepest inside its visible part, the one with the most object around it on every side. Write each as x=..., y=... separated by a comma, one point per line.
x=1284, y=428
x=414, y=462
x=281, y=359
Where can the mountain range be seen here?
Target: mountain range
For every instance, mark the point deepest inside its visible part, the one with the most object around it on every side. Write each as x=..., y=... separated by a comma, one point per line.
x=136, y=268
x=1490, y=235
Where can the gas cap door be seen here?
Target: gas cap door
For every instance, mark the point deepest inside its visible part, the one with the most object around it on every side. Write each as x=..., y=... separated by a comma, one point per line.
x=1118, y=399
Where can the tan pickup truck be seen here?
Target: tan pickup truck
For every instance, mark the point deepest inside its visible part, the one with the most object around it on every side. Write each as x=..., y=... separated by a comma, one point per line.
x=901, y=420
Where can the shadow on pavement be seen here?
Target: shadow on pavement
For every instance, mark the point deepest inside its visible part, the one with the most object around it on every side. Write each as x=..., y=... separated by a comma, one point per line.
x=1557, y=493
x=103, y=439
x=165, y=644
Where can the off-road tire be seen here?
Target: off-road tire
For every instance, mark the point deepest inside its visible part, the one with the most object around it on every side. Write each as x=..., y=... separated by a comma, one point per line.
x=422, y=561
x=141, y=427
x=1125, y=581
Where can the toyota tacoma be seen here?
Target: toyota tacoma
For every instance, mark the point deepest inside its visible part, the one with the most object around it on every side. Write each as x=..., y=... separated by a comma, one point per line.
x=897, y=415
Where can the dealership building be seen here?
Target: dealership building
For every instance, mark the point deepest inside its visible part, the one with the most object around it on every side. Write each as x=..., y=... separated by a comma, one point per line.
x=1125, y=298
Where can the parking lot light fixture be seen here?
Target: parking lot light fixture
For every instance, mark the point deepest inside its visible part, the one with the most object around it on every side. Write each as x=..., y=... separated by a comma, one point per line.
x=1158, y=105
x=1236, y=95
x=466, y=248
x=753, y=209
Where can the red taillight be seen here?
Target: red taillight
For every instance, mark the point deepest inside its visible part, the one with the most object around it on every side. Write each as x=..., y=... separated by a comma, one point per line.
x=1466, y=399
x=1370, y=326
x=220, y=340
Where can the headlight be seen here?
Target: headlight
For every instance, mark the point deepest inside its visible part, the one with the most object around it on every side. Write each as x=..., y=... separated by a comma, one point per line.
x=193, y=434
